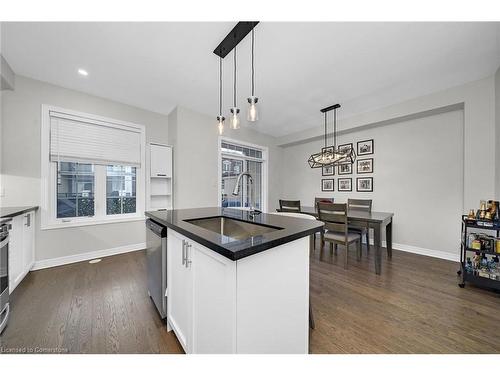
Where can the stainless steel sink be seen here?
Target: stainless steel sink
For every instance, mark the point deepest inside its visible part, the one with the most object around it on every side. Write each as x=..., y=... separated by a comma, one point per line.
x=236, y=229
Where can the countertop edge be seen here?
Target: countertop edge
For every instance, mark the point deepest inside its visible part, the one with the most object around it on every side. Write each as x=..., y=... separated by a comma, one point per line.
x=18, y=211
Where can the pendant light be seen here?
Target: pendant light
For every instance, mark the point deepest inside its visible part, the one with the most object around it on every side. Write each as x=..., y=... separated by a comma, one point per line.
x=331, y=155
x=235, y=117
x=220, y=118
x=252, y=114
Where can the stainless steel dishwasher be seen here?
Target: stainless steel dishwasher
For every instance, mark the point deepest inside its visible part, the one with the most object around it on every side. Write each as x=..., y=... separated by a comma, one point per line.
x=156, y=251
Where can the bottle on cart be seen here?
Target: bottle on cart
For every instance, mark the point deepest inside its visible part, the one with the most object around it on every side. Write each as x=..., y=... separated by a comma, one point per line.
x=468, y=265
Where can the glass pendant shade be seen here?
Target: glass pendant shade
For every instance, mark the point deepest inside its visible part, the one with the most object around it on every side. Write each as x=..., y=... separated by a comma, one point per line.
x=220, y=124
x=253, y=113
x=234, y=119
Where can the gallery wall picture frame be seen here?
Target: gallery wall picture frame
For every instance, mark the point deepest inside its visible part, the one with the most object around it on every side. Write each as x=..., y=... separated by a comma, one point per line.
x=344, y=184
x=345, y=146
x=328, y=170
x=364, y=184
x=327, y=184
x=364, y=166
x=365, y=147
x=345, y=168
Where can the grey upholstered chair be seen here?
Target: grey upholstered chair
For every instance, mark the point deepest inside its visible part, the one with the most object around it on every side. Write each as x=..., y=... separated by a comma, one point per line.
x=289, y=206
x=361, y=205
x=334, y=215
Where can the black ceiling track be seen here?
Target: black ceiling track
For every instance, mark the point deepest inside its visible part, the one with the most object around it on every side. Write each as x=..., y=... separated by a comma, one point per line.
x=236, y=35
x=327, y=109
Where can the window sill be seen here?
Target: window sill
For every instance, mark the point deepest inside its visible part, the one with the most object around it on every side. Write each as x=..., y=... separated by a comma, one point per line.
x=84, y=223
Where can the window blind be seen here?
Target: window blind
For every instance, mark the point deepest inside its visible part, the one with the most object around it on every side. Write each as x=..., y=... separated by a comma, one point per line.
x=74, y=138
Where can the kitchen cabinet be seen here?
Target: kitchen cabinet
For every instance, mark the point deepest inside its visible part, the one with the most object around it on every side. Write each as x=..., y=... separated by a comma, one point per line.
x=21, y=248
x=258, y=304
x=201, y=297
x=161, y=161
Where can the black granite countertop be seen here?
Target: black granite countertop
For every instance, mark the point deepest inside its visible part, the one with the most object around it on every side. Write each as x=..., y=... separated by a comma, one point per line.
x=7, y=212
x=290, y=229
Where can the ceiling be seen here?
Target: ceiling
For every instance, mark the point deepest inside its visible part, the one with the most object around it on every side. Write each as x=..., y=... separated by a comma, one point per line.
x=300, y=67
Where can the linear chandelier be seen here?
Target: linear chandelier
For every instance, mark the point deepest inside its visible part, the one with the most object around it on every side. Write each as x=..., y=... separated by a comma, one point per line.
x=333, y=154
x=237, y=34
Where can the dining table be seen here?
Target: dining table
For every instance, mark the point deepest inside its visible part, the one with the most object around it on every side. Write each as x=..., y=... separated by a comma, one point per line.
x=378, y=221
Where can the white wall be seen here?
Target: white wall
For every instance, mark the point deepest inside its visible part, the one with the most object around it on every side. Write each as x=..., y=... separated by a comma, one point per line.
x=195, y=140
x=478, y=101
x=480, y=156
x=418, y=175
x=497, y=134
x=21, y=110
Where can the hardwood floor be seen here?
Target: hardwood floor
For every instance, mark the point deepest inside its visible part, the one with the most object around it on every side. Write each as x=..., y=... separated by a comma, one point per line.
x=88, y=308
x=414, y=306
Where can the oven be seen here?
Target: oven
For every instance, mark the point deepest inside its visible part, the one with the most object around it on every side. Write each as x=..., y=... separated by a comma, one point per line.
x=4, y=273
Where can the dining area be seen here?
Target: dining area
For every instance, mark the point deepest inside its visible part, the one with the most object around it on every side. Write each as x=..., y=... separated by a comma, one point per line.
x=346, y=226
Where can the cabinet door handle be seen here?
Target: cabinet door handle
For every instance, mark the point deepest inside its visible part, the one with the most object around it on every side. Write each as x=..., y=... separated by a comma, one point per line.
x=161, y=174
x=183, y=252
x=28, y=220
x=188, y=261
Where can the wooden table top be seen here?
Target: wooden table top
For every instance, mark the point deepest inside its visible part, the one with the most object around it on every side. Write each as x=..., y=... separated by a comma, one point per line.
x=372, y=217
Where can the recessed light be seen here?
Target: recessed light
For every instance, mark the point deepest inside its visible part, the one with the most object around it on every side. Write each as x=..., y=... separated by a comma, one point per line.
x=83, y=72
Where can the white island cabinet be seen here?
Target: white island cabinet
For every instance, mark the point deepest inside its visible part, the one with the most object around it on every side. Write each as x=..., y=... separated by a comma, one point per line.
x=257, y=304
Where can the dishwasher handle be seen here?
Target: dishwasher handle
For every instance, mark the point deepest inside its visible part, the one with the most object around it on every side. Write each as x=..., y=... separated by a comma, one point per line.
x=156, y=228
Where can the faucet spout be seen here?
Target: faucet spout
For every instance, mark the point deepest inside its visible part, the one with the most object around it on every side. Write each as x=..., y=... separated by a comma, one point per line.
x=236, y=191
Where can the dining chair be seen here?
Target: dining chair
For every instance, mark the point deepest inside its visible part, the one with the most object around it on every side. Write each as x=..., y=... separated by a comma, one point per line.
x=316, y=200
x=362, y=229
x=289, y=206
x=311, y=247
x=334, y=215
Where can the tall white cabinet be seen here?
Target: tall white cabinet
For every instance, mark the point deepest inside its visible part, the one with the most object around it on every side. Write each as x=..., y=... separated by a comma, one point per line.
x=21, y=248
x=160, y=181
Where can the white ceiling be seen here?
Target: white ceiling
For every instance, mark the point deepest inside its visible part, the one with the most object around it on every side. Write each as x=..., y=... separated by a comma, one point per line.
x=300, y=67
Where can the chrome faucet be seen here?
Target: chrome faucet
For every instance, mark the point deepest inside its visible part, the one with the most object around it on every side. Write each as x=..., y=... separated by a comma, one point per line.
x=236, y=191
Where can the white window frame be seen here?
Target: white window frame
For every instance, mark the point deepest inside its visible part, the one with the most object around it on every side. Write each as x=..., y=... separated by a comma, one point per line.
x=265, y=168
x=48, y=177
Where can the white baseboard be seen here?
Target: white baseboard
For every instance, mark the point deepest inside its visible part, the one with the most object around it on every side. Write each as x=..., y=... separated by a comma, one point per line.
x=422, y=251
x=53, y=262
x=427, y=252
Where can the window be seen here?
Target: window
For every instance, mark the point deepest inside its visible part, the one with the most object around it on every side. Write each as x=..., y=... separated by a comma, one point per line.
x=120, y=190
x=235, y=158
x=75, y=190
x=92, y=168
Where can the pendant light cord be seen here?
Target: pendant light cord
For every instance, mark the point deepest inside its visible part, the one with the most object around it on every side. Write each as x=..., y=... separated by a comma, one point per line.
x=220, y=86
x=335, y=128
x=234, y=79
x=325, y=130
x=253, y=74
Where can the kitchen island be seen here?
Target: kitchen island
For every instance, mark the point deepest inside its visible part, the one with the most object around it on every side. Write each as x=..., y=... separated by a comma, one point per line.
x=237, y=283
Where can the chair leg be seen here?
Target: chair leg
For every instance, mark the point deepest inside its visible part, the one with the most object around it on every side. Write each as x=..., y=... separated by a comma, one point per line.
x=368, y=241
x=346, y=255
x=331, y=248
x=335, y=248
x=314, y=242
x=358, y=249
x=311, y=316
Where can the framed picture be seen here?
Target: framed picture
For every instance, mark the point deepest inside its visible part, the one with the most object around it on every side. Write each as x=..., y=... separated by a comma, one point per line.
x=345, y=168
x=365, y=147
x=364, y=166
x=345, y=146
x=328, y=170
x=327, y=184
x=364, y=184
x=344, y=184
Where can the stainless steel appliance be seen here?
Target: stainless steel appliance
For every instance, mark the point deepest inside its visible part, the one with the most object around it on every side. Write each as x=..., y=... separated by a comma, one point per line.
x=4, y=273
x=156, y=250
